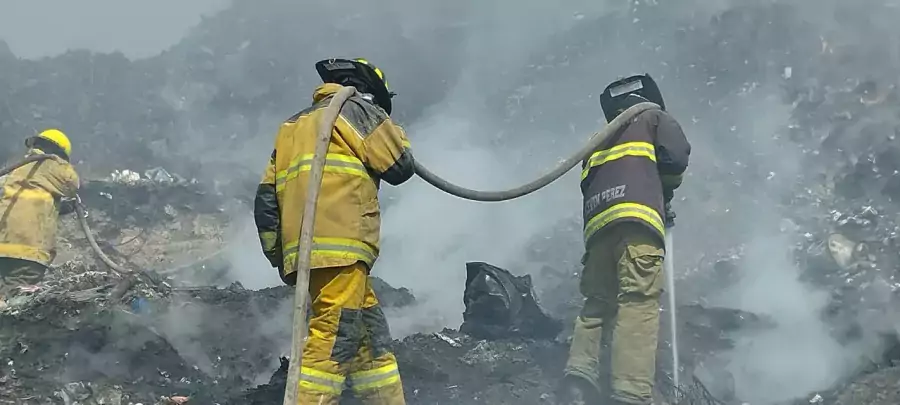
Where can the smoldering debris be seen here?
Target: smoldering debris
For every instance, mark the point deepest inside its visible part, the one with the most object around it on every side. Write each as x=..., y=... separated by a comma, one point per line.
x=69, y=340
x=804, y=130
x=501, y=305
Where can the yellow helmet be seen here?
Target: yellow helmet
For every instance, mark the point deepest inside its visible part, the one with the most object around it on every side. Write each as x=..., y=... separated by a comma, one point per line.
x=55, y=137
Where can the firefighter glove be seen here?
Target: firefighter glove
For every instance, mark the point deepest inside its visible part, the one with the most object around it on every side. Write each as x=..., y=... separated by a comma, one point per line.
x=670, y=215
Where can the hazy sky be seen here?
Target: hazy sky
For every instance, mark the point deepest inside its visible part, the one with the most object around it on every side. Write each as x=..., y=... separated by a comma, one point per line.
x=35, y=28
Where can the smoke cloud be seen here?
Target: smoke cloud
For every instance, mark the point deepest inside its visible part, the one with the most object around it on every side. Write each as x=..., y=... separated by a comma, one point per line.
x=493, y=95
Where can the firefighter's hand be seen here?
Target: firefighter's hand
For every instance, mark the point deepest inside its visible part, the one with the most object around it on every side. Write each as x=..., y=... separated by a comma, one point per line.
x=67, y=205
x=670, y=215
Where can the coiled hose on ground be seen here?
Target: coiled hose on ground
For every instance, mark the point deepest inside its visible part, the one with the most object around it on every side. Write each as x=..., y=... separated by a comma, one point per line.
x=323, y=138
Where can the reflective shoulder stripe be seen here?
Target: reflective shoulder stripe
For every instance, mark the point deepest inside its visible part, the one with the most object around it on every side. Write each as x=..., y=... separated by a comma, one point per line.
x=321, y=381
x=640, y=149
x=336, y=247
x=341, y=117
x=334, y=163
x=624, y=210
x=376, y=378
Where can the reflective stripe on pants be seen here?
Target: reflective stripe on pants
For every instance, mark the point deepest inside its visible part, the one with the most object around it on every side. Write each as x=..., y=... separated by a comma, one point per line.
x=363, y=381
x=348, y=340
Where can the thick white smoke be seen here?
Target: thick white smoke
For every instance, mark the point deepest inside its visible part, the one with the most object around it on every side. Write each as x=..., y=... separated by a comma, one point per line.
x=505, y=51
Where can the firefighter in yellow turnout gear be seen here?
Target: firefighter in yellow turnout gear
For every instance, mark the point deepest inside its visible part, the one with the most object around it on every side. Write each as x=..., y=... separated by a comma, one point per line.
x=349, y=340
x=628, y=185
x=33, y=197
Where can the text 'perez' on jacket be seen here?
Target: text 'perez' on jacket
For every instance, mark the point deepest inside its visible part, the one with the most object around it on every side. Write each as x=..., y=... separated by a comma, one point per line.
x=634, y=174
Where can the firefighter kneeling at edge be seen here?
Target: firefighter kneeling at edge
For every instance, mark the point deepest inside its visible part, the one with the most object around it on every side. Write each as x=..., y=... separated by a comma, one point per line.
x=349, y=340
x=33, y=198
x=628, y=186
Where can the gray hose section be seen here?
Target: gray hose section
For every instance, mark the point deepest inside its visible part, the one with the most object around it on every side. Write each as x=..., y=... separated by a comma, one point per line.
x=82, y=219
x=595, y=142
x=23, y=162
x=79, y=211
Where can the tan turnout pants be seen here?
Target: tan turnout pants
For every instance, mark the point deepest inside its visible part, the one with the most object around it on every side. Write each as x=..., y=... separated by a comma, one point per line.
x=622, y=281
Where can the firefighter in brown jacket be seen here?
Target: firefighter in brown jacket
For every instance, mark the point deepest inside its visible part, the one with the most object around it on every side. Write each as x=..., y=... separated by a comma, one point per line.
x=627, y=186
x=33, y=197
x=349, y=340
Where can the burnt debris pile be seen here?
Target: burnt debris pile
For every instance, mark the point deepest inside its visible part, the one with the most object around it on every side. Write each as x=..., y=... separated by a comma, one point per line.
x=796, y=179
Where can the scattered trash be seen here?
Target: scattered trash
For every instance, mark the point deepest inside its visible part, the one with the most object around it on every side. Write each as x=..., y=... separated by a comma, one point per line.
x=500, y=305
x=125, y=177
x=447, y=339
x=159, y=175
x=140, y=305
x=29, y=288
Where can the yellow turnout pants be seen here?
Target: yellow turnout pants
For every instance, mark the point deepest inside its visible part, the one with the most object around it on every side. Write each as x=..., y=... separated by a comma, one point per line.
x=622, y=281
x=349, y=341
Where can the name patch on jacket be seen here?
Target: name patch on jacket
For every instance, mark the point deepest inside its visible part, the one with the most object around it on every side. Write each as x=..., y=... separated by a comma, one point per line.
x=610, y=194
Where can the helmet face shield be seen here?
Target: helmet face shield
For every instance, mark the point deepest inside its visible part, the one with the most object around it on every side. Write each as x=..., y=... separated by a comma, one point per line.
x=358, y=72
x=613, y=98
x=625, y=88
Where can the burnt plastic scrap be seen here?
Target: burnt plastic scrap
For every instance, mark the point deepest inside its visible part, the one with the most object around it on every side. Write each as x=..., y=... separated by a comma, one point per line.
x=501, y=305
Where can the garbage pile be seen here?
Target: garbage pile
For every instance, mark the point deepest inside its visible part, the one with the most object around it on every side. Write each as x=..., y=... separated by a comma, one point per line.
x=803, y=134
x=78, y=338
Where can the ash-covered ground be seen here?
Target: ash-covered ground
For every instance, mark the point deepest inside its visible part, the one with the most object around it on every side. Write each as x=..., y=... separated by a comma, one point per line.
x=80, y=339
x=787, y=233
x=204, y=338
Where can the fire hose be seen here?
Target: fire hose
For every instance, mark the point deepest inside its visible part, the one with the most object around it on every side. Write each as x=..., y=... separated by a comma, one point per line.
x=302, y=264
x=323, y=138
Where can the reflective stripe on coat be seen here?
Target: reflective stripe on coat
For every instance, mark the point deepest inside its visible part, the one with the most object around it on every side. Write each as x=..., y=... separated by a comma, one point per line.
x=366, y=147
x=631, y=176
x=29, y=208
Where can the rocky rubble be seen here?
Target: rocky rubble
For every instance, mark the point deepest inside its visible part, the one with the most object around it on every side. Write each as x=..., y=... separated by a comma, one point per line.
x=75, y=340
x=805, y=131
x=195, y=342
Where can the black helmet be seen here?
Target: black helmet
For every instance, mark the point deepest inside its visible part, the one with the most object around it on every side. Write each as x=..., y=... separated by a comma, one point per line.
x=359, y=73
x=624, y=93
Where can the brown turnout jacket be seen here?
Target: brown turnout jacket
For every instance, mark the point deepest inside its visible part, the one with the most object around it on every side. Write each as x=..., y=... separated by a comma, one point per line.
x=634, y=174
